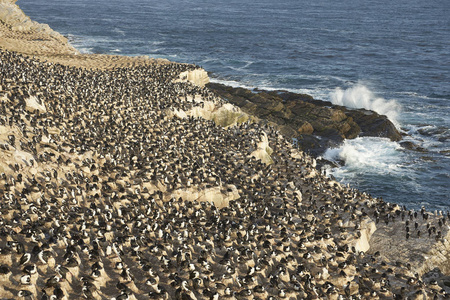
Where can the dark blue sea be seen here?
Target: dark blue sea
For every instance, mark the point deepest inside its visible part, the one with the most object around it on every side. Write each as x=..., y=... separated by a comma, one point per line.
x=389, y=56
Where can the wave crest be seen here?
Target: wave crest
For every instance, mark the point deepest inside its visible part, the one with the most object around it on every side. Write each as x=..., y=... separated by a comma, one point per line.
x=359, y=96
x=367, y=154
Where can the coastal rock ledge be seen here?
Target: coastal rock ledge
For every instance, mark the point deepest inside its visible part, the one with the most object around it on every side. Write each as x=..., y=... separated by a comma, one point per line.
x=316, y=125
x=426, y=248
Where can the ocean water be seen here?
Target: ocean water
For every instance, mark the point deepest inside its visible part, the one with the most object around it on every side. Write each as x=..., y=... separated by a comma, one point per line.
x=389, y=56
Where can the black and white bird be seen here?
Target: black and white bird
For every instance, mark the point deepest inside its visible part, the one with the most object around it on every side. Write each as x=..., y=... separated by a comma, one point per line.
x=26, y=257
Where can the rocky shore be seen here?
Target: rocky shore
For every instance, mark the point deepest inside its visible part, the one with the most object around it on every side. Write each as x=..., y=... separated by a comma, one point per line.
x=314, y=124
x=127, y=178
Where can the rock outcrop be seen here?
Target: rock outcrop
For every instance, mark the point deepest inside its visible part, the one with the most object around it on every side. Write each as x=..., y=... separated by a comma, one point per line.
x=33, y=103
x=220, y=195
x=198, y=77
x=425, y=245
x=263, y=150
x=317, y=125
x=223, y=114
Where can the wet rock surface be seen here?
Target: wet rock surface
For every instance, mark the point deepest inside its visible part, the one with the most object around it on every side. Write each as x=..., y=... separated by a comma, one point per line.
x=315, y=125
x=412, y=146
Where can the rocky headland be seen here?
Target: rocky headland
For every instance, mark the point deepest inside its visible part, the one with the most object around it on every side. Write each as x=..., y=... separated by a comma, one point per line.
x=315, y=125
x=127, y=178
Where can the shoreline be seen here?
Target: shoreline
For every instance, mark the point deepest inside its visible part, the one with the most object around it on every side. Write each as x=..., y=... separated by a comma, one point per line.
x=316, y=125
x=102, y=175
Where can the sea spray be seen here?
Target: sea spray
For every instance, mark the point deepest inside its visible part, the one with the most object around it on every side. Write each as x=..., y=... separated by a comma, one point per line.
x=359, y=96
x=376, y=165
x=367, y=154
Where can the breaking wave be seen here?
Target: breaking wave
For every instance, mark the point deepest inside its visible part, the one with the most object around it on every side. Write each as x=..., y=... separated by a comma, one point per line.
x=359, y=96
x=367, y=154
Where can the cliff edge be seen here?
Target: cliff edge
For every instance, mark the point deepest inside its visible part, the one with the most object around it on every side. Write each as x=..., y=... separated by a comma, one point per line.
x=19, y=33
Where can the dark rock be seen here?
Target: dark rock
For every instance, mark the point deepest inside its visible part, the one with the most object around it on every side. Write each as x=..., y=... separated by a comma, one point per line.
x=373, y=124
x=408, y=145
x=316, y=145
x=316, y=124
x=322, y=163
x=411, y=146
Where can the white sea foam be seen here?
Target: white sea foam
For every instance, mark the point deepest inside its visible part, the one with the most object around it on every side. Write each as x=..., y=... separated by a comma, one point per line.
x=246, y=65
x=84, y=50
x=86, y=44
x=154, y=43
x=119, y=31
x=431, y=137
x=231, y=83
x=267, y=87
x=156, y=50
x=359, y=96
x=413, y=94
x=368, y=154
